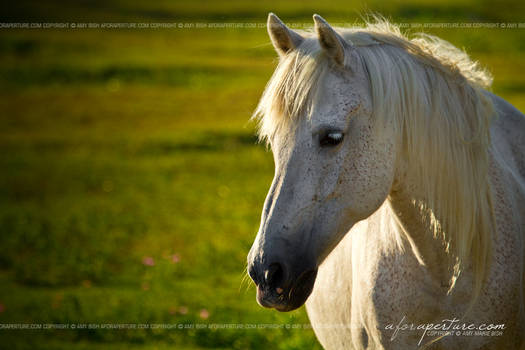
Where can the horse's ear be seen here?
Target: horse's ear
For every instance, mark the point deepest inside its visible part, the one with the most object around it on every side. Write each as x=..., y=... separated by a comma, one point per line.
x=283, y=38
x=331, y=42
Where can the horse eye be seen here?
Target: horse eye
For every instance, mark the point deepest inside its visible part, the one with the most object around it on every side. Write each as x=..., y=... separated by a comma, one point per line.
x=331, y=139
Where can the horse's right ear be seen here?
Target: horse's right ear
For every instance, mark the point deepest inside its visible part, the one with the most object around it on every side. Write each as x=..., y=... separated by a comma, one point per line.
x=283, y=39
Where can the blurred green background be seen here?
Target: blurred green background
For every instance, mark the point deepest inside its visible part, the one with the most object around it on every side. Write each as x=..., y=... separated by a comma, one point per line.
x=131, y=182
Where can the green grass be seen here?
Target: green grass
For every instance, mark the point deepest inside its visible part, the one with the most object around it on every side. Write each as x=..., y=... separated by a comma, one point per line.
x=120, y=147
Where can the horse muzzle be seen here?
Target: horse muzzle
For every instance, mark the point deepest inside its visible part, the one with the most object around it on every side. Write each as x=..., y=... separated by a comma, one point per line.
x=275, y=288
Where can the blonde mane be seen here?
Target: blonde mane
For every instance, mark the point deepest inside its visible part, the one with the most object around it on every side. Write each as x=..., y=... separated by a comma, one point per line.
x=432, y=93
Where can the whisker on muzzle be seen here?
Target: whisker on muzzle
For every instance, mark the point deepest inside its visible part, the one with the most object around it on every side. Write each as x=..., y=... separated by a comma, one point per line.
x=245, y=281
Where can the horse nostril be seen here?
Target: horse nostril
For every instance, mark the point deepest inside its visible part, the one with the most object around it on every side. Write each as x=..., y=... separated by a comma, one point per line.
x=274, y=275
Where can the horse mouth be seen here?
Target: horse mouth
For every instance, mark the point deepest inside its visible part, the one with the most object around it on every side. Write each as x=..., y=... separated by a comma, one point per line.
x=289, y=300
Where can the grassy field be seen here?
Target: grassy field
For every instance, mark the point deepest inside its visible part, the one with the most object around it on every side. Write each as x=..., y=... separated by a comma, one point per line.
x=131, y=181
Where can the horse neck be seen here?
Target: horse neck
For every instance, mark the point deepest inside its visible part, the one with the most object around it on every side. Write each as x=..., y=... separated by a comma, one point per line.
x=429, y=250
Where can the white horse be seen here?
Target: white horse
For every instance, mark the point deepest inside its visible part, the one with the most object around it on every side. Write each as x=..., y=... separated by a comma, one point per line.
x=398, y=203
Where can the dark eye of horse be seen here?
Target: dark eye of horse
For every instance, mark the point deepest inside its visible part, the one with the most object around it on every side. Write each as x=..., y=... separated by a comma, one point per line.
x=331, y=139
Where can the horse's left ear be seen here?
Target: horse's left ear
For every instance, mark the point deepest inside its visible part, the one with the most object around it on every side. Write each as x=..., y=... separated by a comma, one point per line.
x=331, y=42
x=283, y=39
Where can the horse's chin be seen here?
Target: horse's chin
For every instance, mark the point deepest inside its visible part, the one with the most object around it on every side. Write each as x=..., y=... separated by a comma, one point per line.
x=302, y=289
